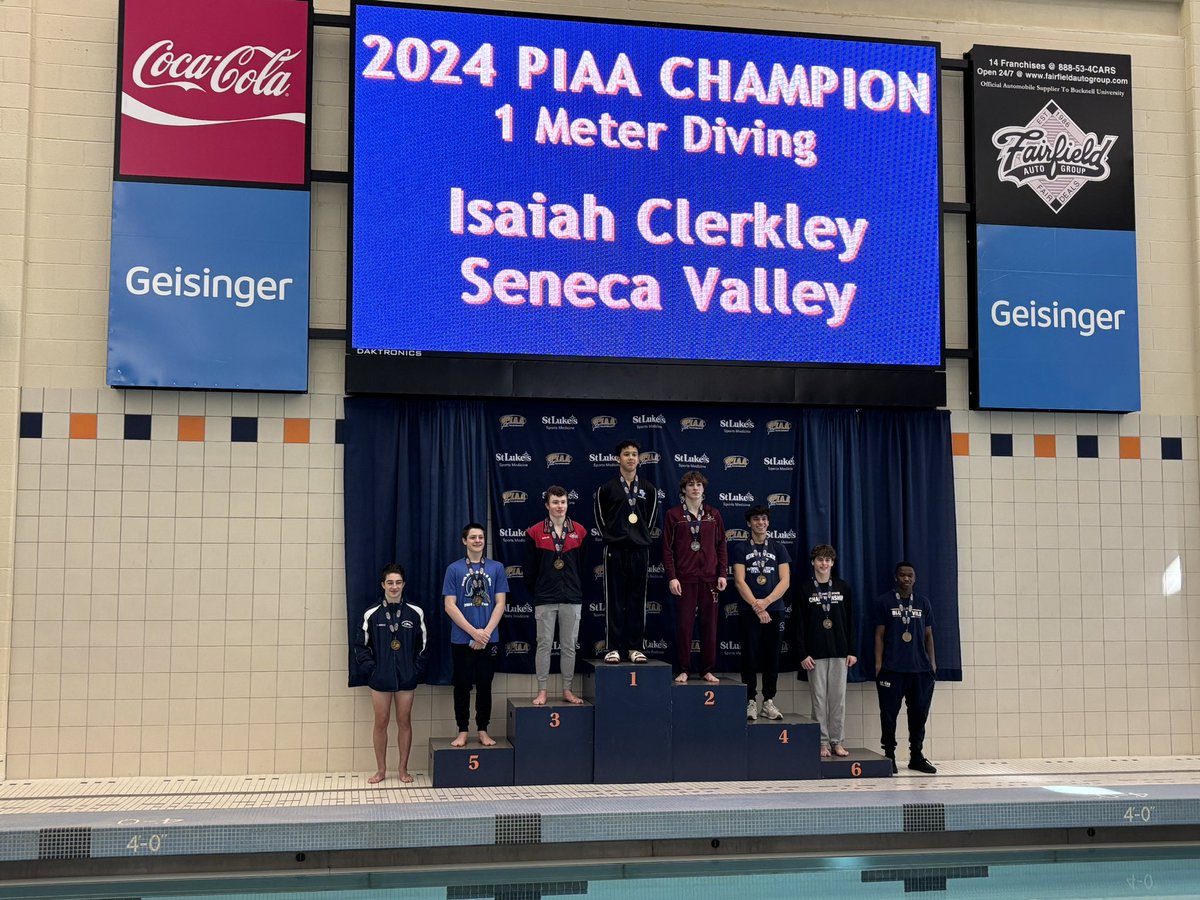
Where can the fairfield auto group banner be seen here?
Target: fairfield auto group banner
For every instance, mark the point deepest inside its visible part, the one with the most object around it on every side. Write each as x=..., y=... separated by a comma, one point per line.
x=208, y=284
x=748, y=456
x=1055, y=319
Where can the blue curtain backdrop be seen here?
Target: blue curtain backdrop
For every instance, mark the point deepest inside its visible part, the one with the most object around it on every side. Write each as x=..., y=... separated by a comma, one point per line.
x=415, y=473
x=878, y=485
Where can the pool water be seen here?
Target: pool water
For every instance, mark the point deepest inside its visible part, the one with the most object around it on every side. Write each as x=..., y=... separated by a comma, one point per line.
x=1126, y=872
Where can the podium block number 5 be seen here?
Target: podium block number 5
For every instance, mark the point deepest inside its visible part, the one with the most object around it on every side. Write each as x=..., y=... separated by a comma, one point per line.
x=473, y=761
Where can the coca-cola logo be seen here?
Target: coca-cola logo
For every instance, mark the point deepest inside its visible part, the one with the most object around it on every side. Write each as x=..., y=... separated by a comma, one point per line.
x=250, y=68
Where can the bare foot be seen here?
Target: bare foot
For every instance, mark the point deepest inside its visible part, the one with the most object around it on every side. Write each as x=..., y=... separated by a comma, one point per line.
x=540, y=699
x=486, y=739
x=377, y=777
x=824, y=751
x=711, y=678
x=460, y=741
x=571, y=698
x=839, y=750
x=405, y=778
x=681, y=678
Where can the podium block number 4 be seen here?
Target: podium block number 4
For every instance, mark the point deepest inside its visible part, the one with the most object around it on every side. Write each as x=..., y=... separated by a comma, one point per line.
x=783, y=736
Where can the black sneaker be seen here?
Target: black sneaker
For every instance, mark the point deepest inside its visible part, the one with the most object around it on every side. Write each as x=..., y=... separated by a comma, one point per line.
x=921, y=764
x=892, y=760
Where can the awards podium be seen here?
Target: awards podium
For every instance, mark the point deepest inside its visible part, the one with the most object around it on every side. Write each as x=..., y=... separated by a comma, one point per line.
x=638, y=726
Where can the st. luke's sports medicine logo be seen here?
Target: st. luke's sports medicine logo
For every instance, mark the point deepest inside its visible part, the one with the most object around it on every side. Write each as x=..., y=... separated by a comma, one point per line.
x=1052, y=155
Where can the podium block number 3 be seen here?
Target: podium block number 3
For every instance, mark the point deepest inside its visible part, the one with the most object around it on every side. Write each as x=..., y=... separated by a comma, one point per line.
x=555, y=720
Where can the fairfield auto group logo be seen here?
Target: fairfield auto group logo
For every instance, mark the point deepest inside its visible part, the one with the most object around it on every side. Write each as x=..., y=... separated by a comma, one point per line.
x=214, y=91
x=1052, y=155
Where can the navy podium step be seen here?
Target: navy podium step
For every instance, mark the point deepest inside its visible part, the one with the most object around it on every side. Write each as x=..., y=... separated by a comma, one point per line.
x=787, y=749
x=859, y=764
x=471, y=766
x=632, y=736
x=708, y=731
x=553, y=742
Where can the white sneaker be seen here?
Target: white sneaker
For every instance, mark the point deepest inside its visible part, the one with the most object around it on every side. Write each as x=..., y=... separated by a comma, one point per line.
x=752, y=711
x=770, y=710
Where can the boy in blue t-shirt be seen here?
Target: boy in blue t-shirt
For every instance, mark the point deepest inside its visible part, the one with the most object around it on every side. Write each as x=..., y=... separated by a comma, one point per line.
x=905, y=665
x=473, y=591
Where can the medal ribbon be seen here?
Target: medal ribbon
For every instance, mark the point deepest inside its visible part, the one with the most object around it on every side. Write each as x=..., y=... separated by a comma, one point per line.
x=694, y=525
x=826, y=597
x=558, y=540
x=631, y=493
x=760, y=555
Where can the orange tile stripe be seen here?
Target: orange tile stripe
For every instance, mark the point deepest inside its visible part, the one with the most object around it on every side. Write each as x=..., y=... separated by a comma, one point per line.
x=960, y=443
x=296, y=431
x=1131, y=448
x=1044, y=445
x=191, y=428
x=83, y=426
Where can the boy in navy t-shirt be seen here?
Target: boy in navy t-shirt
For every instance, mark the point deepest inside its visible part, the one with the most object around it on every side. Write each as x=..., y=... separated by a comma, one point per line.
x=761, y=575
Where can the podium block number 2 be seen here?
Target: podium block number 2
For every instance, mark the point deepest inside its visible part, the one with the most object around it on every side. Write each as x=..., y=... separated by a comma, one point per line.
x=710, y=698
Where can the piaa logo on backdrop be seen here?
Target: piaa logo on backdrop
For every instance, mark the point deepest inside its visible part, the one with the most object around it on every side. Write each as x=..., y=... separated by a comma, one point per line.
x=736, y=462
x=514, y=497
x=515, y=572
x=649, y=458
x=691, y=423
x=214, y=91
x=737, y=534
x=512, y=422
x=1052, y=155
x=779, y=499
x=599, y=422
x=558, y=459
x=779, y=426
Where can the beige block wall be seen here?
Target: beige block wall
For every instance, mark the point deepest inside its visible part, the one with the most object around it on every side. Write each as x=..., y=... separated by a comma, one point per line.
x=177, y=606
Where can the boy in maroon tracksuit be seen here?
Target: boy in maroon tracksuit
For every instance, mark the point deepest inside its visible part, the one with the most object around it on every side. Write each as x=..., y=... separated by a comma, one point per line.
x=695, y=561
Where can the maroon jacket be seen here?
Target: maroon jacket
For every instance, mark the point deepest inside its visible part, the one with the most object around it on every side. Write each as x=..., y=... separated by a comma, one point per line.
x=680, y=561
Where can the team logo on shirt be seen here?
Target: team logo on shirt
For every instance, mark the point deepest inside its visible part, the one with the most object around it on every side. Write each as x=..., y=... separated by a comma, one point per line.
x=512, y=422
x=515, y=571
x=599, y=422
x=736, y=462
x=514, y=497
x=558, y=459
x=779, y=426
x=737, y=534
x=692, y=423
x=779, y=499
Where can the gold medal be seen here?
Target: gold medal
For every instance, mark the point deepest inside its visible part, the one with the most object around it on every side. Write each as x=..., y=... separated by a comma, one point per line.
x=906, y=637
x=633, y=518
x=395, y=644
x=761, y=579
x=827, y=624
x=558, y=564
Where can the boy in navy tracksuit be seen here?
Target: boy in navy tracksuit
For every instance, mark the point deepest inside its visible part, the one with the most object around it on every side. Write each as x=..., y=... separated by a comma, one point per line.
x=391, y=651
x=905, y=665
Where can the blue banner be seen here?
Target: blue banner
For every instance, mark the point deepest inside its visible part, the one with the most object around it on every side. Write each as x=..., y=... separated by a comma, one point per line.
x=548, y=187
x=1058, y=324
x=208, y=288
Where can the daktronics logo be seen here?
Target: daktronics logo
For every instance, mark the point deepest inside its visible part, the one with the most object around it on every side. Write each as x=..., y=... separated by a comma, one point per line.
x=215, y=91
x=558, y=459
x=514, y=497
x=736, y=462
x=512, y=422
x=691, y=459
x=603, y=422
x=691, y=423
x=779, y=499
x=779, y=426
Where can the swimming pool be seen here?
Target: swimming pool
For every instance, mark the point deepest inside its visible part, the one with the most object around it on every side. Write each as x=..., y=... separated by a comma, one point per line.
x=1171, y=871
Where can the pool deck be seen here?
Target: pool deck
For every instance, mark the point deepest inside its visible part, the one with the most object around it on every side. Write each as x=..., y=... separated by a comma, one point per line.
x=111, y=826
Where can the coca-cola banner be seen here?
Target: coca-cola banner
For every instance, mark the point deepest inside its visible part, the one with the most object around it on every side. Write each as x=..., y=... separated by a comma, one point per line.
x=747, y=455
x=215, y=91
x=1055, y=272
x=208, y=287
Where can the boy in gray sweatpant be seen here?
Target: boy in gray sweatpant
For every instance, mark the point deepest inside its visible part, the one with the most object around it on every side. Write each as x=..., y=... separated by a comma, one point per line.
x=554, y=566
x=826, y=638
